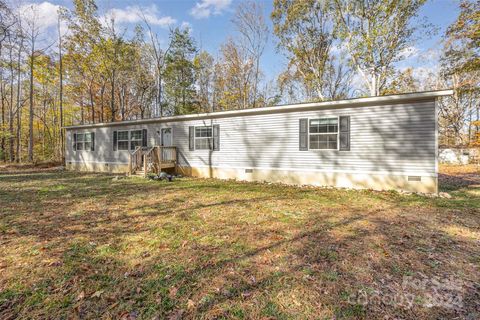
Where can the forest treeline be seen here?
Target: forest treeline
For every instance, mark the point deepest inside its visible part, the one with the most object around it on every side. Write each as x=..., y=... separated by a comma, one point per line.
x=97, y=70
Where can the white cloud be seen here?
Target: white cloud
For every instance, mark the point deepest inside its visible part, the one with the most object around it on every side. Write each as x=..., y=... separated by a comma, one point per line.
x=431, y=55
x=205, y=8
x=44, y=14
x=136, y=14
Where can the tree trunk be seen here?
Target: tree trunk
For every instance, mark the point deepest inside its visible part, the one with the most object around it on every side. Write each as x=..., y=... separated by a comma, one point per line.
x=102, y=92
x=44, y=114
x=11, y=113
x=19, y=135
x=30, y=119
x=122, y=100
x=82, y=116
x=478, y=119
x=159, y=110
x=373, y=88
x=2, y=142
x=92, y=103
x=19, y=103
x=112, y=97
x=257, y=67
x=60, y=72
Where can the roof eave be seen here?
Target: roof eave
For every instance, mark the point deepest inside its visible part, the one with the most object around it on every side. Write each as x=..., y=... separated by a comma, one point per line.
x=284, y=108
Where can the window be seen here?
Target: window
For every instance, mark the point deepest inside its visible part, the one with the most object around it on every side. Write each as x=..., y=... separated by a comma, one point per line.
x=122, y=143
x=136, y=138
x=129, y=139
x=84, y=141
x=323, y=133
x=203, y=138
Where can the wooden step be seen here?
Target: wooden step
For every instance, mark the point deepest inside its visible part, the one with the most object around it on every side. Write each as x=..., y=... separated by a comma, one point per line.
x=139, y=173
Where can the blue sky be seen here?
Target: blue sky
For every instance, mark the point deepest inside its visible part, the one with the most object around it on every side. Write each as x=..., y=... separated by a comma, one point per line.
x=210, y=21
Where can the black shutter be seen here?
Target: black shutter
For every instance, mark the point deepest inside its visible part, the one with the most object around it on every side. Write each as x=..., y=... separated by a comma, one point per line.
x=114, y=140
x=216, y=137
x=191, y=138
x=92, y=146
x=303, y=131
x=344, y=133
x=74, y=142
x=144, y=138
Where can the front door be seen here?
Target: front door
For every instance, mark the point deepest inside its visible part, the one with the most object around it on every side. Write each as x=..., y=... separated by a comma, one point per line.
x=167, y=137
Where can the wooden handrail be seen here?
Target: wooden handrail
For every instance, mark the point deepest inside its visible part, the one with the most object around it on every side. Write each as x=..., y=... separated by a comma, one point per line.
x=153, y=158
x=135, y=160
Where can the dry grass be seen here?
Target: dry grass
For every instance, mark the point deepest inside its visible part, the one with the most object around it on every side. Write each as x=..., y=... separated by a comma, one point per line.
x=85, y=246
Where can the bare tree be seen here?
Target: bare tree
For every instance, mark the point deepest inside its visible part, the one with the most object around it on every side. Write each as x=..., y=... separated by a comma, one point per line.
x=60, y=74
x=7, y=21
x=159, y=57
x=254, y=32
x=32, y=33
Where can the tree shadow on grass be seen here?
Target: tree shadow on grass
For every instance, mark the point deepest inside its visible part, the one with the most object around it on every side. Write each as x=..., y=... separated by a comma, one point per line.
x=262, y=251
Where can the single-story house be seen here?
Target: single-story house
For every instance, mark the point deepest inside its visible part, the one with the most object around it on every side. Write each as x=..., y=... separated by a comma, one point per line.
x=386, y=142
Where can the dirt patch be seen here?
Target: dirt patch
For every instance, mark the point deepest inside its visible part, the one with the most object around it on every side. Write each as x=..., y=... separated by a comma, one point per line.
x=31, y=167
x=459, y=176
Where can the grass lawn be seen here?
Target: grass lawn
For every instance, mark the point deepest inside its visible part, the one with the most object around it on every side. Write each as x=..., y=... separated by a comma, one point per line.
x=86, y=246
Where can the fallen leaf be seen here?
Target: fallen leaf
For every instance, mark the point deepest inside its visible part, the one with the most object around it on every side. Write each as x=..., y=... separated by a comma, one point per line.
x=55, y=264
x=81, y=296
x=176, y=315
x=190, y=304
x=172, y=292
x=97, y=294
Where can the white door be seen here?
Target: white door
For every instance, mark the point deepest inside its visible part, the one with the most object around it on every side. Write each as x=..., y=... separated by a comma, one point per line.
x=167, y=137
x=167, y=141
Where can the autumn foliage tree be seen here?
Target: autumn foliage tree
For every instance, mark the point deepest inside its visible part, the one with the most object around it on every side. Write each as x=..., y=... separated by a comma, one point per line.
x=98, y=70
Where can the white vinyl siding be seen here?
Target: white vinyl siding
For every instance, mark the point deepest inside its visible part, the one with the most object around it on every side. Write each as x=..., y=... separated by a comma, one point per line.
x=387, y=138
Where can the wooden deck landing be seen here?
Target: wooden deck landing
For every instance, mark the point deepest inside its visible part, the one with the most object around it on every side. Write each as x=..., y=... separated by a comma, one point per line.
x=152, y=160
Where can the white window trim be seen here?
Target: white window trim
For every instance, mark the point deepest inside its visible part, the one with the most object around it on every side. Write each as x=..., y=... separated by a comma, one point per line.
x=195, y=137
x=128, y=140
x=136, y=140
x=338, y=132
x=76, y=143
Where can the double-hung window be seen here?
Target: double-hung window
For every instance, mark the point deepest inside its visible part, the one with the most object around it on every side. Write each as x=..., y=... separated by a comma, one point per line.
x=122, y=142
x=323, y=133
x=126, y=140
x=84, y=141
x=136, y=138
x=203, y=138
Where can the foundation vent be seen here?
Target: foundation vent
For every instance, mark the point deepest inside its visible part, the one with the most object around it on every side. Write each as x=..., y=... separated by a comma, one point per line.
x=248, y=170
x=414, y=178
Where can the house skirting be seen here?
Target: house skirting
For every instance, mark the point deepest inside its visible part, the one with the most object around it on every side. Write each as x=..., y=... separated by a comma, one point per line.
x=110, y=167
x=381, y=181
x=355, y=180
